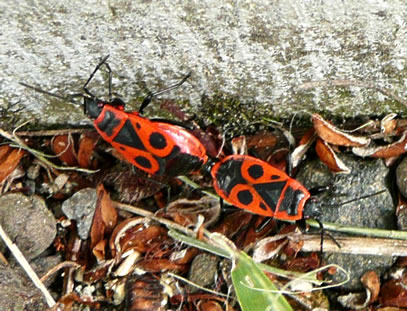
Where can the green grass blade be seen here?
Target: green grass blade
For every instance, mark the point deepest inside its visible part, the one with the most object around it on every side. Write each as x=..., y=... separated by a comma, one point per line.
x=254, y=289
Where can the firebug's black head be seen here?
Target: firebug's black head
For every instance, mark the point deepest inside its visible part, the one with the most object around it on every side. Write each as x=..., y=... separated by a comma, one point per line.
x=312, y=209
x=93, y=106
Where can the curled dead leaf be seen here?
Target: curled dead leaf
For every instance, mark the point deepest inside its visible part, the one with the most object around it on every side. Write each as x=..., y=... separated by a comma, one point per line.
x=9, y=159
x=371, y=282
x=105, y=217
x=262, y=140
x=4, y=151
x=388, y=123
x=119, y=232
x=186, y=212
x=268, y=247
x=109, y=213
x=99, y=250
x=209, y=305
x=128, y=265
x=331, y=134
x=239, y=145
x=63, y=147
x=392, y=150
x=100, y=272
x=233, y=223
x=87, y=144
x=304, y=144
x=327, y=155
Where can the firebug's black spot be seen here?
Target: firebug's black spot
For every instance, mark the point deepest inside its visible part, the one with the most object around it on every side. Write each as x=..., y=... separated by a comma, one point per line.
x=245, y=197
x=256, y=171
x=273, y=177
x=143, y=162
x=157, y=141
x=122, y=148
x=138, y=125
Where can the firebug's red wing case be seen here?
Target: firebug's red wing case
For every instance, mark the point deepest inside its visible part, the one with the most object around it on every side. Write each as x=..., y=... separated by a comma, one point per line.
x=254, y=185
x=154, y=147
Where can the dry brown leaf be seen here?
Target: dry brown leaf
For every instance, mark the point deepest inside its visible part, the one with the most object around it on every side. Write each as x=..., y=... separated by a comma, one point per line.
x=186, y=212
x=304, y=144
x=145, y=292
x=393, y=293
x=262, y=140
x=119, y=233
x=268, y=247
x=4, y=151
x=392, y=150
x=388, y=123
x=63, y=147
x=104, y=219
x=87, y=144
x=371, y=282
x=233, y=223
x=329, y=158
x=97, y=230
x=109, y=213
x=99, y=250
x=209, y=305
x=11, y=158
x=331, y=134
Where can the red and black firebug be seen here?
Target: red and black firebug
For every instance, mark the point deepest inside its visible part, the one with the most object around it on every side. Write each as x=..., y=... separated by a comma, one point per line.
x=154, y=146
x=254, y=185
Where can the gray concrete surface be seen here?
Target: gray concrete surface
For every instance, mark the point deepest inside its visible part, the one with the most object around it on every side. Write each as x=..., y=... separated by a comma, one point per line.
x=257, y=51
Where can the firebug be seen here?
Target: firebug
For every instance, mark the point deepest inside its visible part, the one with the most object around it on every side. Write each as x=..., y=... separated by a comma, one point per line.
x=154, y=146
x=254, y=185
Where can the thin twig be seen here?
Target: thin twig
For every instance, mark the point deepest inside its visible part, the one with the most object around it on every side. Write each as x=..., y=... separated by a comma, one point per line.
x=352, y=245
x=27, y=268
x=51, y=132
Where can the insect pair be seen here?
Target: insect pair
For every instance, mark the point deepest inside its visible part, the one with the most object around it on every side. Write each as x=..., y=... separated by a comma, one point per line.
x=164, y=148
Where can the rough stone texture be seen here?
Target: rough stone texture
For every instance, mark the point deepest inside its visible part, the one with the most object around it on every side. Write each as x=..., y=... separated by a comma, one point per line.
x=17, y=292
x=27, y=222
x=81, y=208
x=256, y=51
x=368, y=176
x=203, y=271
x=401, y=177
